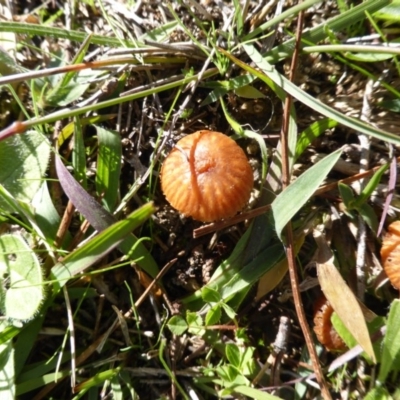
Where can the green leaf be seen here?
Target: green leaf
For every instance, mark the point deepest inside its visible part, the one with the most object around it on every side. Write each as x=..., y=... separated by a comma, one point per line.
x=213, y=315
x=195, y=323
x=108, y=167
x=228, y=373
x=371, y=186
x=368, y=214
x=22, y=285
x=289, y=202
x=233, y=354
x=391, y=342
x=230, y=312
x=177, y=325
x=210, y=295
x=46, y=215
x=23, y=163
x=347, y=195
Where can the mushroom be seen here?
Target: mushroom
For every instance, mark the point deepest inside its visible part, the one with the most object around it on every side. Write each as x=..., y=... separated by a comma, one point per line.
x=390, y=253
x=207, y=176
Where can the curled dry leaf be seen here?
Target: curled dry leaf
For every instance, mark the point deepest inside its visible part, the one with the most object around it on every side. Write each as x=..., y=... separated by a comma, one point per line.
x=323, y=328
x=390, y=253
x=207, y=176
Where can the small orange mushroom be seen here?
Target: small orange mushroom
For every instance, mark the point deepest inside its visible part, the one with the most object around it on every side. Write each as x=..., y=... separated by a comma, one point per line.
x=390, y=253
x=323, y=328
x=207, y=176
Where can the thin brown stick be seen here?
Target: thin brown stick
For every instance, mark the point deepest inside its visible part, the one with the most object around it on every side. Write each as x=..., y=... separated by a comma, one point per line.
x=290, y=248
x=218, y=225
x=64, y=224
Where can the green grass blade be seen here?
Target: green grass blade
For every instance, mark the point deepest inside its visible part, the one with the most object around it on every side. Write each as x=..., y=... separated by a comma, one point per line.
x=85, y=256
x=108, y=167
x=289, y=202
x=100, y=218
x=391, y=342
x=274, y=79
x=319, y=33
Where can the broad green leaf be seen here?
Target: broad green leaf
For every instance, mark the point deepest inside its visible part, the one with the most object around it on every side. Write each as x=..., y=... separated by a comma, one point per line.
x=233, y=354
x=177, y=325
x=23, y=163
x=210, y=295
x=290, y=201
x=108, y=167
x=391, y=342
x=23, y=285
x=213, y=315
x=195, y=323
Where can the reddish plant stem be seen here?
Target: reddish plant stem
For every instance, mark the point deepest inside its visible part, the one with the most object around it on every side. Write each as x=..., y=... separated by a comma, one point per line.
x=290, y=250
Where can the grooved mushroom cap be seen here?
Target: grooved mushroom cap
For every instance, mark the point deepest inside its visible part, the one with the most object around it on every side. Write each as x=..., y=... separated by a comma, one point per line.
x=207, y=176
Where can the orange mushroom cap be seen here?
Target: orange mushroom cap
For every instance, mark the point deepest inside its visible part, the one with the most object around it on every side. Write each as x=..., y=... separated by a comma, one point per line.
x=207, y=176
x=390, y=253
